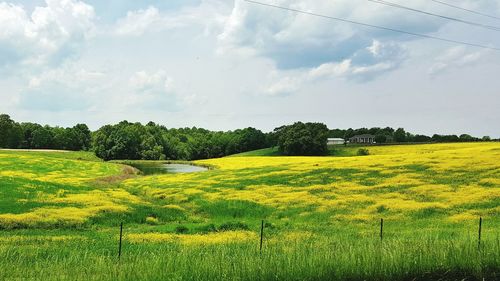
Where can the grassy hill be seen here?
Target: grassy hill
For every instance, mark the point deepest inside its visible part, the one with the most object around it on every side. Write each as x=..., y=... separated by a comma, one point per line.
x=336, y=150
x=272, y=151
x=60, y=213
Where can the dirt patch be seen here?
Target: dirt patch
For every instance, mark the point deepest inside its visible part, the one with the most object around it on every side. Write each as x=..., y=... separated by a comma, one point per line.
x=127, y=173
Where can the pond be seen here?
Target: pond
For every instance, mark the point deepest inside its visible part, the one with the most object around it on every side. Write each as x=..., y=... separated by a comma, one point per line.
x=162, y=168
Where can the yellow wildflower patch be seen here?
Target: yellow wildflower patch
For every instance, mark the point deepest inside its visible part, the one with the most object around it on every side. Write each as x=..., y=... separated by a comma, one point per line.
x=450, y=181
x=193, y=239
x=403, y=179
x=36, y=239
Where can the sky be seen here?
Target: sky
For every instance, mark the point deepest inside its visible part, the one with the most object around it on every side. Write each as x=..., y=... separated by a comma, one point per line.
x=224, y=64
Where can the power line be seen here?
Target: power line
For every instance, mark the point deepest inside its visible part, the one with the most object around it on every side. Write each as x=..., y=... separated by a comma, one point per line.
x=395, y=5
x=375, y=26
x=464, y=9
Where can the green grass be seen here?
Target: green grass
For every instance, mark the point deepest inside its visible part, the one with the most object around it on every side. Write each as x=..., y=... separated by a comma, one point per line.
x=272, y=151
x=340, y=257
x=333, y=150
x=305, y=238
x=75, y=155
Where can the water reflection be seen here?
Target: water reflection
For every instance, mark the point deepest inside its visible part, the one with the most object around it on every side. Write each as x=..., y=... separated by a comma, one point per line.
x=160, y=168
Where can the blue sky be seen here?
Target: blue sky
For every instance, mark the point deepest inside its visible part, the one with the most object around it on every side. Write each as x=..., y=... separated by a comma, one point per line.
x=223, y=64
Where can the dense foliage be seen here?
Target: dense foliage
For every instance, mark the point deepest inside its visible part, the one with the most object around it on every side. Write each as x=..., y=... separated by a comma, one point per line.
x=127, y=140
x=152, y=142
x=390, y=135
x=302, y=139
x=31, y=135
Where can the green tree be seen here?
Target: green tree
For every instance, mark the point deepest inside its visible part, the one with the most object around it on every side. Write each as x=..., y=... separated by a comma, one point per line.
x=42, y=138
x=150, y=149
x=380, y=138
x=466, y=138
x=422, y=138
x=10, y=132
x=27, y=131
x=81, y=137
x=61, y=138
x=303, y=139
x=400, y=135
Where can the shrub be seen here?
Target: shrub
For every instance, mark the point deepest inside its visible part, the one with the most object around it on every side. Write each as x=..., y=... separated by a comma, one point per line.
x=269, y=225
x=229, y=226
x=181, y=229
x=207, y=228
x=381, y=209
x=152, y=220
x=363, y=151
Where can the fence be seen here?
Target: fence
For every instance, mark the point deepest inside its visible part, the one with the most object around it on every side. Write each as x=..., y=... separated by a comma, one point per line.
x=263, y=226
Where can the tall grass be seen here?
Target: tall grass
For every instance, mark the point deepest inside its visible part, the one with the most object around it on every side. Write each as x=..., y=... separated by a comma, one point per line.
x=313, y=258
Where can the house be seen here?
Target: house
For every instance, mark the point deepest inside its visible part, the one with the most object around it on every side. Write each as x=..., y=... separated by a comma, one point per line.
x=362, y=139
x=332, y=141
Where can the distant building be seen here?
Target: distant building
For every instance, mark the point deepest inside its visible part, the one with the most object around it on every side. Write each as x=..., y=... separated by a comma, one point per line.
x=332, y=141
x=362, y=139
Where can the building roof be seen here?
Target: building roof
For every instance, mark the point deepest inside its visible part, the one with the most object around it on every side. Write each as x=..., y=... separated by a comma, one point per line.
x=335, y=139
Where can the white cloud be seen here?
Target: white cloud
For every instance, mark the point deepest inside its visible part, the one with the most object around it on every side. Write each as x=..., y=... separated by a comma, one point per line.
x=214, y=64
x=137, y=22
x=209, y=14
x=455, y=57
x=295, y=40
x=67, y=87
x=49, y=35
x=67, y=75
x=143, y=81
x=285, y=86
x=366, y=68
x=153, y=90
x=361, y=66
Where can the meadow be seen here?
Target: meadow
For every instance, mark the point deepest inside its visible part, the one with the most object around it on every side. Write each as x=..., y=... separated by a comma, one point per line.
x=60, y=214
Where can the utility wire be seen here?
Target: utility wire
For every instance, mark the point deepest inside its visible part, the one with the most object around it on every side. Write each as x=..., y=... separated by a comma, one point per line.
x=395, y=5
x=375, y=26
x=464, y=9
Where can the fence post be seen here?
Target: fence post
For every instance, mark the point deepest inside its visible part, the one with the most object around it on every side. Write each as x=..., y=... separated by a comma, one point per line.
x=120, y=245
x=381, y=229
x=479, y=236
x=261, y=235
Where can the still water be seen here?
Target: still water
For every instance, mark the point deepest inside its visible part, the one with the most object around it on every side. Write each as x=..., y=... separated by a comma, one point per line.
x=151, y=169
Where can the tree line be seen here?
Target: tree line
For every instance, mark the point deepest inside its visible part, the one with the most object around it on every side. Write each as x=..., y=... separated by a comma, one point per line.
x=134, y=141
x=390, y=135
x=127, y=140
x=151, y=141
x=35, y=136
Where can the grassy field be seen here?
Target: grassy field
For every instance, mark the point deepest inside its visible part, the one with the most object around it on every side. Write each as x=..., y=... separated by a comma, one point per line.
x=60, y=215
x=333, y=150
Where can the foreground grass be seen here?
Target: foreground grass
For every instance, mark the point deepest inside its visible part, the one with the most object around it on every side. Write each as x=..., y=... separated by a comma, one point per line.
x=296, y=257
x=60, y=212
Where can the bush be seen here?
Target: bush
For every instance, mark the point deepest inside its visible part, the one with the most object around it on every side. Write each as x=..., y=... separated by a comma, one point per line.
x=382, y=208
x=269, y=225
x=181, y=229
x=363, y=151
x=229, y=226
x=207, y=228
x=152, y=220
